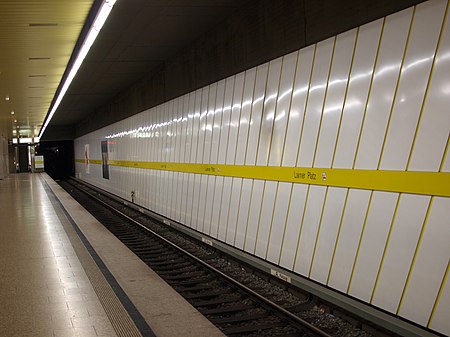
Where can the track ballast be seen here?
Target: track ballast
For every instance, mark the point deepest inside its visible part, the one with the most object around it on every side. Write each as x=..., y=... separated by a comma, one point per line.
x=237, y=299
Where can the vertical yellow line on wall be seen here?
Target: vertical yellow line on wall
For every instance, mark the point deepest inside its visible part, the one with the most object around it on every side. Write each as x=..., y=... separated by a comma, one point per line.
x=221, y=122
x=444, y=156
x=199, y=125
x=220, y=205
x=259, y=217
x=188, y=160
x=229, y=119
x=419, y=242
x=271, y=221
x=191, y=129
x=210, y=150
x=332, y=162
x=386, y=133
x=206, y=123
x=338, y=235
x=173, y=201
x=360, y=240
x=211, y=159
x=438, y=297
x=233, y=179
x=285, y=224
x=212, y=131
x=385, y=248
x=262, y=113
x=216, y=161
x=226, y=147
x=239, y=119
x=213, y=122
x=251, y=114
x=289, y=108
x=274, y=112
x=318, y=231
x=197, y=222
x=235, y=151
x=226, y=156
x=324, y=101
x=271, y=141
x=171, y=175
x=368, y=94
x=430, y=77
x=212, y=211
x=301, y=226
x=345, y=96
x=239, y=212
x=306, y=104
x=248, y=214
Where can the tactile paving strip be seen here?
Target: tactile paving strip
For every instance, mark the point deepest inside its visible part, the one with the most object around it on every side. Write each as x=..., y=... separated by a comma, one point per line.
x=120, y=319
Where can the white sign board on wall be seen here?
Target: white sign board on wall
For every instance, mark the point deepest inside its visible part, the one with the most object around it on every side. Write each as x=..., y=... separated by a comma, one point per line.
x=39, y=162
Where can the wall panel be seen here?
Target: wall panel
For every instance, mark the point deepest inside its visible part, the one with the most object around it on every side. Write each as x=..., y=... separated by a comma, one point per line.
x=265, y=218
x=283, y=102
x=371, y=246
x=246, y=111
x=428, y=268
x=309, y=226
x=349, y=234
x=278, y=222
x=414, y=77
x=384, y=85
x=297, y=109
x=327, y=235
x=316, y=96
x=331, y=161
x=398, y=254
x=335, y=98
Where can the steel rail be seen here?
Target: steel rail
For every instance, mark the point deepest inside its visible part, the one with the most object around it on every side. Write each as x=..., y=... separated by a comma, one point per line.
x=243, y=287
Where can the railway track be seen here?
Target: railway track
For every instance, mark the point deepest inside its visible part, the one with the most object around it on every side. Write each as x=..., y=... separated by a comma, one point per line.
x=233, y=296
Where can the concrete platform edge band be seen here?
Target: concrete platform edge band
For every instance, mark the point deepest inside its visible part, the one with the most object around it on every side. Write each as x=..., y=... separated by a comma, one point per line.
x=414, y=182
x=140, y=323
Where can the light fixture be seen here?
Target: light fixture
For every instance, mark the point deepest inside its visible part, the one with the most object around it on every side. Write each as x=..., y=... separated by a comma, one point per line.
x=99, y=21
x=25, y=140
x=15, y=121
x=38, y=58
x=7, y=98
x=12, y=112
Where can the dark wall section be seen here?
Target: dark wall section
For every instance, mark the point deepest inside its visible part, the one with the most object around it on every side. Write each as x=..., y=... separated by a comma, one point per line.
x=58, y=158
x=262, y=30
x=58, y=132
x=23, y=158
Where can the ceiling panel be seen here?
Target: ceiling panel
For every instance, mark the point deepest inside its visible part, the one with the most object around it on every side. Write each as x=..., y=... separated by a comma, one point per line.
x=37, y=38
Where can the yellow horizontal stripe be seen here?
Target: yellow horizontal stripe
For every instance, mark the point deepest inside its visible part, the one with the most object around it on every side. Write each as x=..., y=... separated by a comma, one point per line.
x=39, y=162
x=429, y=183
x=91, y=161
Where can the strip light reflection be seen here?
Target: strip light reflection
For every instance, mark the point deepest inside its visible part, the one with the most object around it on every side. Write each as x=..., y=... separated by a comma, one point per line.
x=99, y=21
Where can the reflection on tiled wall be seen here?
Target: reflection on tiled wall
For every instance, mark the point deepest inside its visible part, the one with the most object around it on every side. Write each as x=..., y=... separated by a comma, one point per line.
x=374, y=98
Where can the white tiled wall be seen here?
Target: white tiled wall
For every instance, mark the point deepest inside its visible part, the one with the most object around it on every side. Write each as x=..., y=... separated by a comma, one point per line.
x=375, y=97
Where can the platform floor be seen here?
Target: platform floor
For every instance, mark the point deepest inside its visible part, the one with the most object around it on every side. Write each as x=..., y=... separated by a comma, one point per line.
x=51, y=283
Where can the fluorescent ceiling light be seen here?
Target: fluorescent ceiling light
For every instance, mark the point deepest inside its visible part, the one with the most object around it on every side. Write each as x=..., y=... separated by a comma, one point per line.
x=25, y=140
x=100, y=19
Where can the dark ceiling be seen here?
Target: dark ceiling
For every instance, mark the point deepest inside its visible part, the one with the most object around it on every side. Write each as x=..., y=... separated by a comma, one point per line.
x=138, y=36
x=150, y=51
